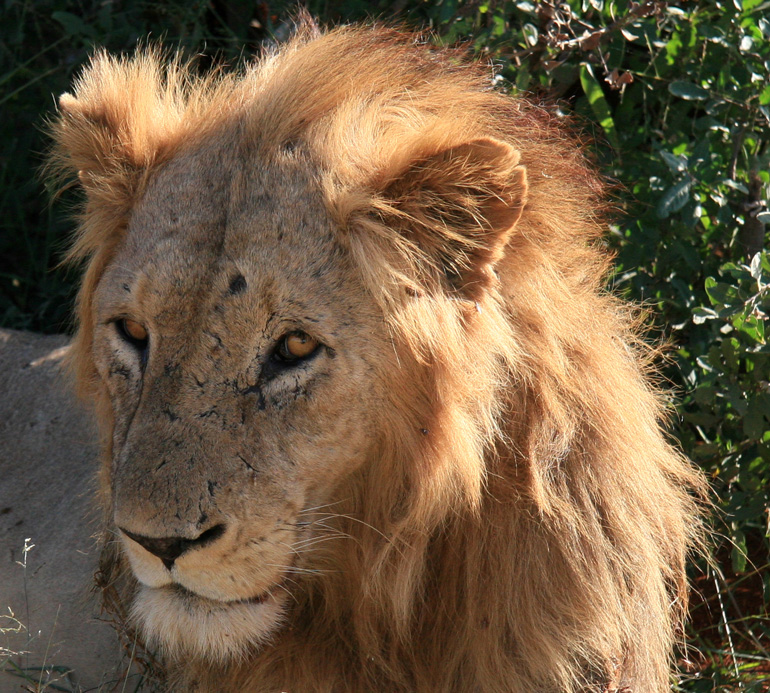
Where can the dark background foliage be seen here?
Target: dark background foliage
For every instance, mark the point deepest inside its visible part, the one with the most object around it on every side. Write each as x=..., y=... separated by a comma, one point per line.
x=676, y=100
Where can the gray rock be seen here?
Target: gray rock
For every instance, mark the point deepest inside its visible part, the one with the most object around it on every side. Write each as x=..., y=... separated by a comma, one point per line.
x=48, y=464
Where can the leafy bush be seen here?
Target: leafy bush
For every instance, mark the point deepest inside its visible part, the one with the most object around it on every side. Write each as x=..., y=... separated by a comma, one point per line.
x=677, y=97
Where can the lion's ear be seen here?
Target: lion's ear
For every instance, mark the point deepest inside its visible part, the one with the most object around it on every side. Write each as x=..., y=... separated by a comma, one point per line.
x=90, y=139
x=111, y=130
x=117, y=121
x=459, y=206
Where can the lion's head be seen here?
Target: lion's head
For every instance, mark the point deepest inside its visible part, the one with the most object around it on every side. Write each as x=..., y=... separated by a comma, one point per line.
x=370, y=422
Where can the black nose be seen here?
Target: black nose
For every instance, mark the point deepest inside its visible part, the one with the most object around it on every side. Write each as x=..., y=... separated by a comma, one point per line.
x=168, y=549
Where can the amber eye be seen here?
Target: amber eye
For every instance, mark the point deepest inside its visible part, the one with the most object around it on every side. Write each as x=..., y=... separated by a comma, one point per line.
x=296, y=346
x=133, y=332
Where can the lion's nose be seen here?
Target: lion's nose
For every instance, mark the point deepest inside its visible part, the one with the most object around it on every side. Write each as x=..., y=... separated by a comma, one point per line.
x=168, y=549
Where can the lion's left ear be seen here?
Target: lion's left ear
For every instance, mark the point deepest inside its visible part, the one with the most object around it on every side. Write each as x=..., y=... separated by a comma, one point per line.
x=459, y=206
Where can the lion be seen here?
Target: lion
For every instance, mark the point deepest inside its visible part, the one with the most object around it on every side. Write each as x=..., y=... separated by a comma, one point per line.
x=369, y=419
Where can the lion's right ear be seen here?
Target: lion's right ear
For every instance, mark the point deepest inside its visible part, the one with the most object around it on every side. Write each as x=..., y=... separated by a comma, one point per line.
x=88, y=141
x=92, y=139
x=94, y=135
x=121, y=118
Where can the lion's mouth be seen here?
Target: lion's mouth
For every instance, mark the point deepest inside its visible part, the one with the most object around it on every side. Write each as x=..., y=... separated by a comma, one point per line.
x=193, y=597
x=181, y=621
x=259, y=599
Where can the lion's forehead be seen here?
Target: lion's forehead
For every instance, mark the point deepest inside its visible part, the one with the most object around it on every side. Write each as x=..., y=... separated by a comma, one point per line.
x=211, y=225
x=214, y=204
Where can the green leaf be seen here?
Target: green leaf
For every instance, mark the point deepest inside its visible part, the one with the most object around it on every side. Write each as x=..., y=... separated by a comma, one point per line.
x=736, y=185
x=688, y=91
x=701, y=314
x=711, y=32
x=738, y=554
x=530, y=34
x=705, y=450
x=753, y=423
x=674, y=198
x=730, y=353
x=762, y=401
x=676, y=163
x=72, y=24
x=704, y=395
x=722, y=294
x=599, y=105
x=700, y=418
x=746, y=44
x=754, y=329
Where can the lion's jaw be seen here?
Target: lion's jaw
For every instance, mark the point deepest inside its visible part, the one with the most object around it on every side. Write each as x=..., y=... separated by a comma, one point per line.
x=183, y=624
x=211, y=433
x=213, y=602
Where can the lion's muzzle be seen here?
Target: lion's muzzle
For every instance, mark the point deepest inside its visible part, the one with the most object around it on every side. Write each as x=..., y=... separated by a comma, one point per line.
x=168, y=549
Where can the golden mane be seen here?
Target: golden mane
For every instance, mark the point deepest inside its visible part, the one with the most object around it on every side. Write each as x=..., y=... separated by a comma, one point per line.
x=533, y=535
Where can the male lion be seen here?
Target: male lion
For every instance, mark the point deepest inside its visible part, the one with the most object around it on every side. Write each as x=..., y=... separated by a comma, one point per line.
x=370, y=422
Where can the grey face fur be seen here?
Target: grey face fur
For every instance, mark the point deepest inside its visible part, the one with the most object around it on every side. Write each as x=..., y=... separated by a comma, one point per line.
x=215, y=436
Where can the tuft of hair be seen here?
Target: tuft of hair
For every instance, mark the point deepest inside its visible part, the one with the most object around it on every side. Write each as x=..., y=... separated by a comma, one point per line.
x=537, y=538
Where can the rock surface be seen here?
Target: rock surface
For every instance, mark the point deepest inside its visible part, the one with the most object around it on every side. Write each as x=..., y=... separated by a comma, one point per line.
x=48, y=463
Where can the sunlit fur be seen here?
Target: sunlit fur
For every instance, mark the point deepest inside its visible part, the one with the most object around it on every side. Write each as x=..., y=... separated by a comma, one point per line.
x=532, y=535
x=210, y=633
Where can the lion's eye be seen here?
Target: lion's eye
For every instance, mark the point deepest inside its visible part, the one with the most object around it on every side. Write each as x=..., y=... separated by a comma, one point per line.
x=295, y=346
x=133, y=332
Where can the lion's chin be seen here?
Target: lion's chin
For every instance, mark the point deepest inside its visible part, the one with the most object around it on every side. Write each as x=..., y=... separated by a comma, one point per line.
x=183, y=624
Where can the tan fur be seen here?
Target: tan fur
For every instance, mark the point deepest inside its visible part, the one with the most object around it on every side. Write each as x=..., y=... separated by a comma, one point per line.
x=467, y=488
